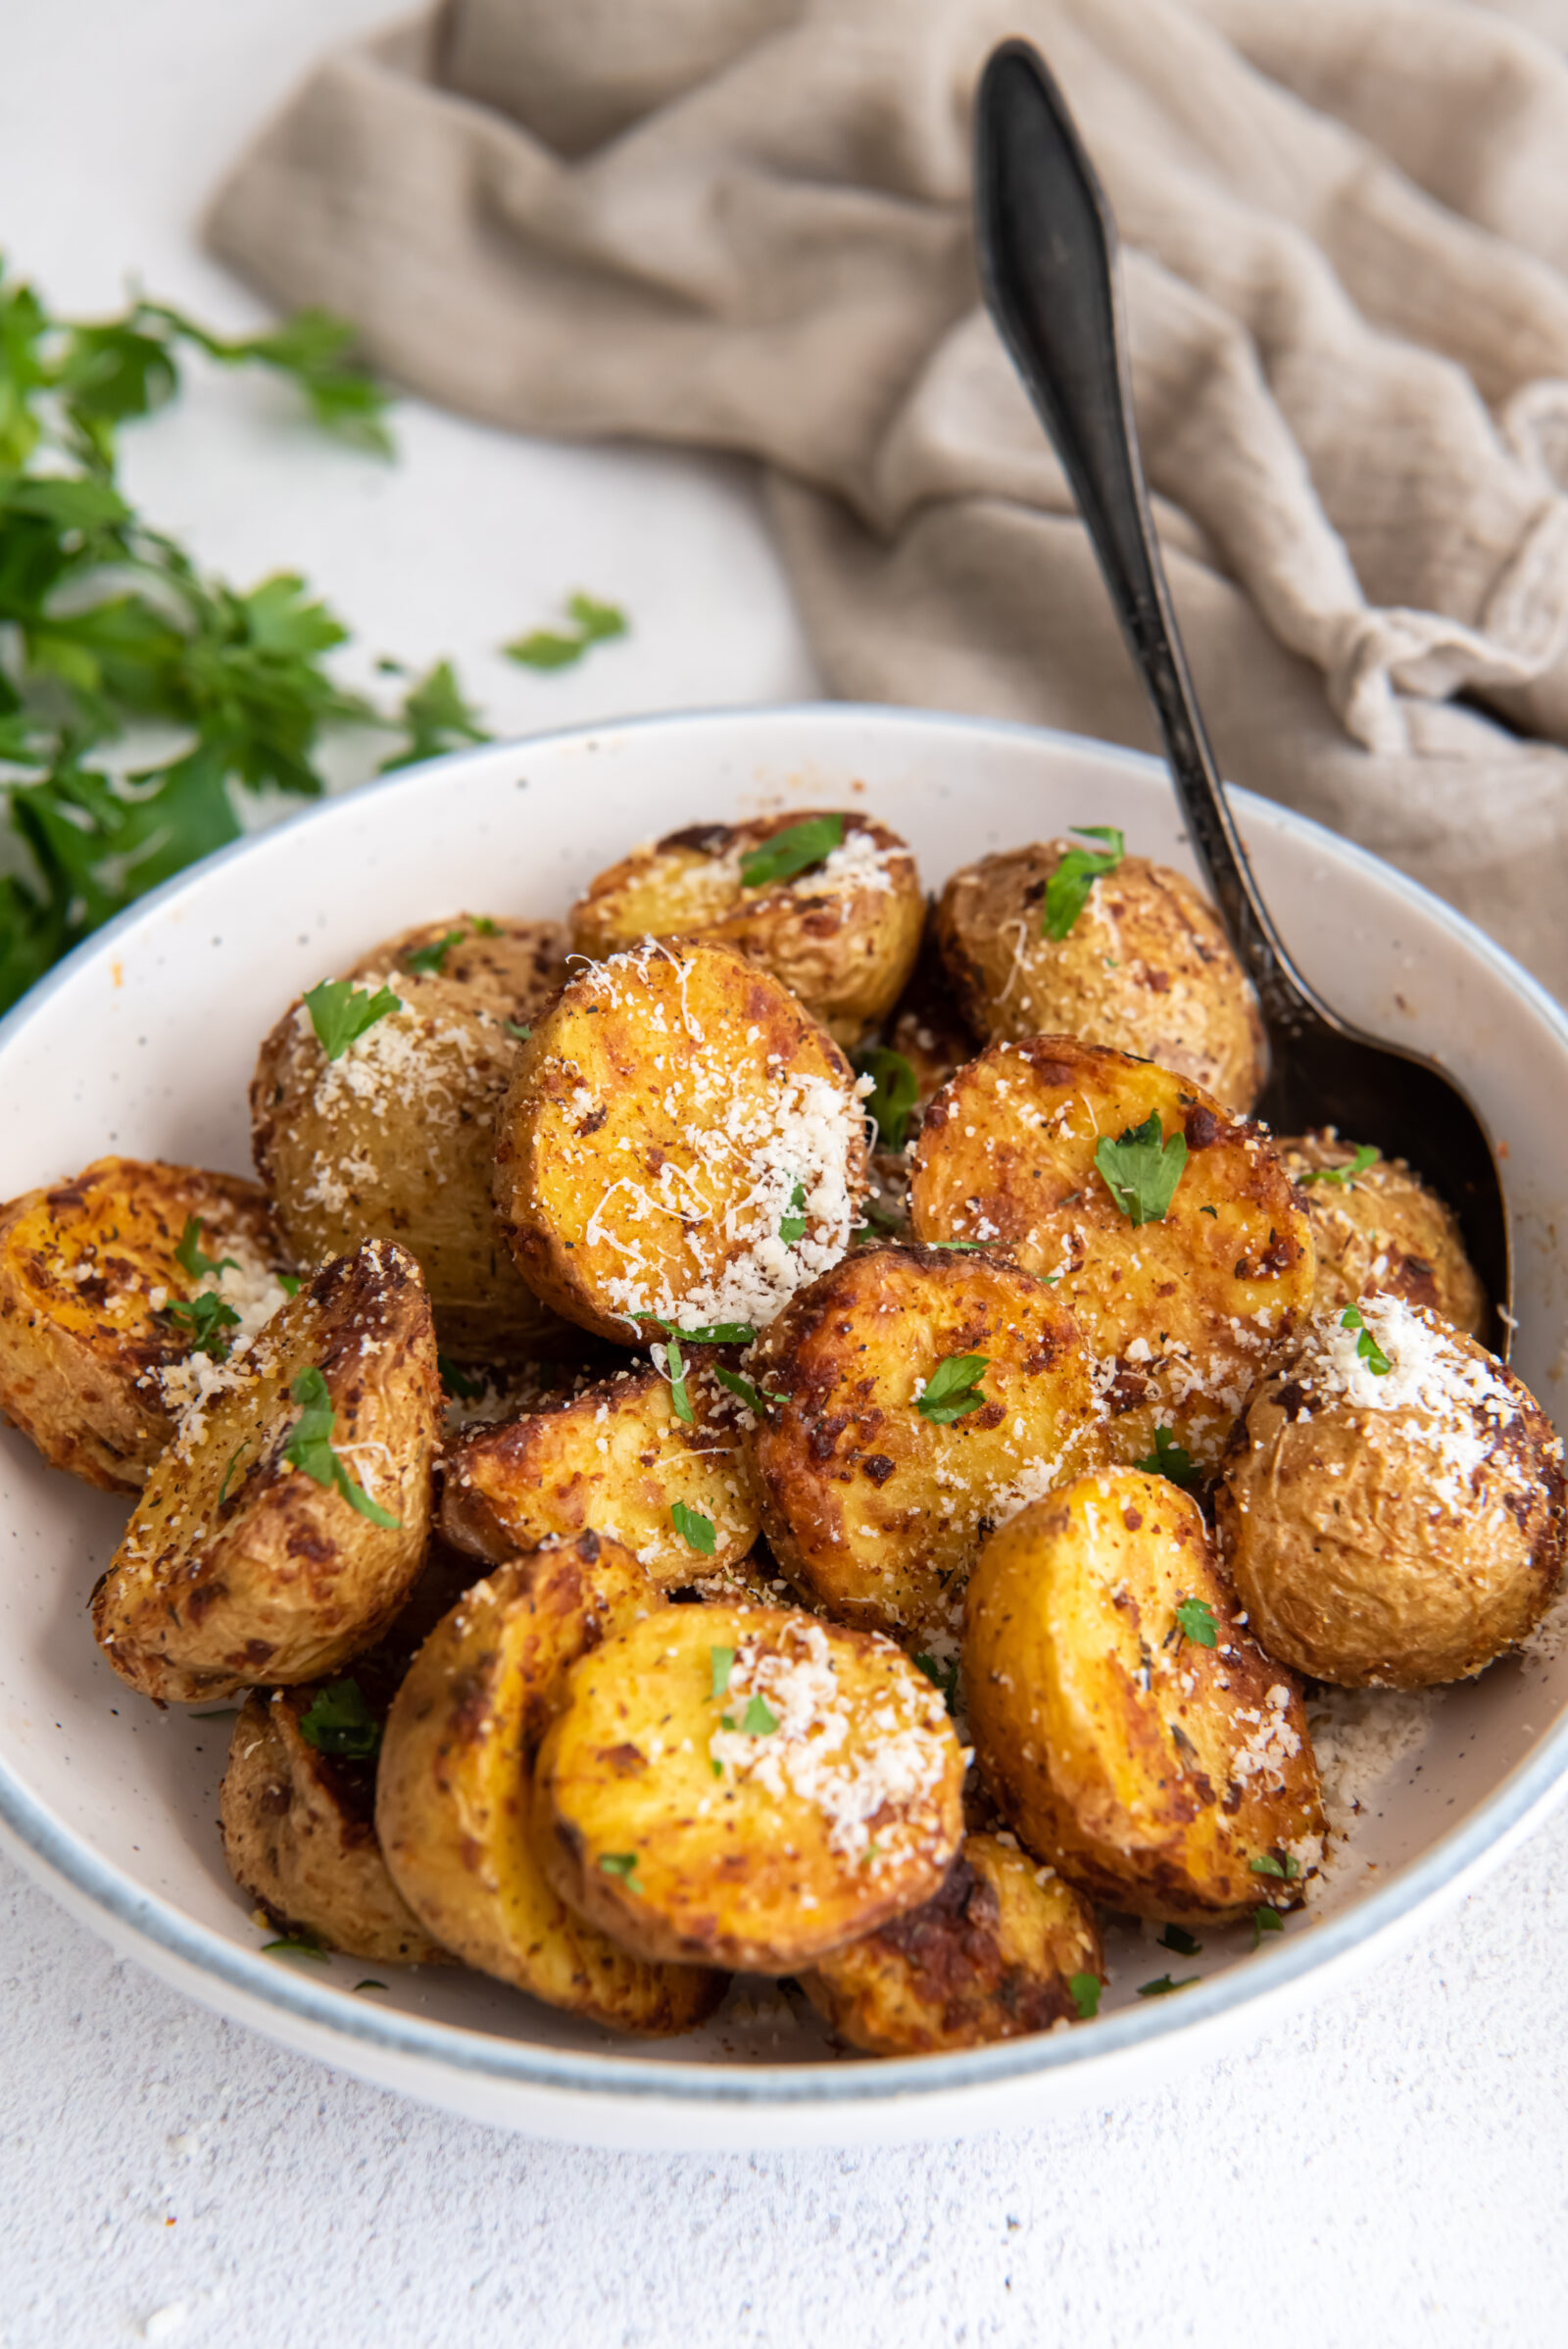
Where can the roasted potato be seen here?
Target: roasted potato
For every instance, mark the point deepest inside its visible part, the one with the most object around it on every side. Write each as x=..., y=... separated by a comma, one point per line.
x=1377, y=1229
x=993, y=1956
x=746, y=1787
x=97, y=1321
x=874, y=1500
x=1144, y=966
x=393, y=1139
x=617, y=1457
x=1182, y=1311
x=1391, y=1508
x=285, y=1525
x=1134, y=1734
x=509, y=970
x=453, y=1800
x=681, y=1145
x=840, y=935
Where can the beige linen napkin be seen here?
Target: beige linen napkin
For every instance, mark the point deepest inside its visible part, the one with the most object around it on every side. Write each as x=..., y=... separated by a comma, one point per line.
x=745, y=223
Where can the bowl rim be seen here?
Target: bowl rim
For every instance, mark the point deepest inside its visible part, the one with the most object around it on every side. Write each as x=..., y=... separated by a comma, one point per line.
x=517, y=2063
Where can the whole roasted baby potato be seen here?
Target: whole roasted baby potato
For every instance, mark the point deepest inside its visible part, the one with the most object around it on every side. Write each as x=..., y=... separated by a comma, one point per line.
x=1395, y=1526
x=876, y=1492
x=1135, y=1736
x=1145, y=965
x=746, y=1787
x=1377, y=1229
x=509, y=970
x=99, y=1280
x=1187, y=1276
x=283, y=1528
x=682, y=1145
x=454, y=1798
x=991, y=1956
x=841, y=933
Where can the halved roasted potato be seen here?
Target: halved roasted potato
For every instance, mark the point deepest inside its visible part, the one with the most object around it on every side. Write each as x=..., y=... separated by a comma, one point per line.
x=1144, y=965
x=993, y=1956
x=507, y=968
x=877, y=1491
x=1187, y=1276
x=681, y=1145
x=746, y=1787
x=285, y=1525
x=1135, y=1735
x=99, y=1283
x=841, y=932
x=453, y=1803
x=1378, y=1230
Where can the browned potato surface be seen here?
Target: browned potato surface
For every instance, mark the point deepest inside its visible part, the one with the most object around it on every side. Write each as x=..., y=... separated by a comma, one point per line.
x=1157, y=1774
x=991, y=1956
x=1144, y=968
x=875, y=1508
x=509, y=970
x=746, y=1787
x=452, y=1804
x=91, y=1355
x=1392, y=1528
x=681, y=1144
x=841, y=936
x=1382, y=1231
x=1182, y=1315
x=237, y=1565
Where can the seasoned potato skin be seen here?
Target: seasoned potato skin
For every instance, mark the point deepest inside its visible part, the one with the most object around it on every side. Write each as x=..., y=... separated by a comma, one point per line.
x=236, y=1567
x=639, y=1161
x=614, y=1457
x=727, y=1870
x=843, y=944
x=871, y=1508
x=83, y=1342
x=1383, y=1233
x=1358, y=1559
x=991, y=1956
x=1183, y=1315
x=1159, y=1798
x=1145, y=967
x=509, y=970
x=453, y=1799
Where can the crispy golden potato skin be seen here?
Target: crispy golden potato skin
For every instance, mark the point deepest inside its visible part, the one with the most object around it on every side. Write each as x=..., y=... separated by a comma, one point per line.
x=875, y=1511
x=728, y=1869
x=1383, y=1233
x=453, y=1800
x=81, y=1341
x=615, y=1457
x=509, y=968
x=236, y=1567
x=661, y=1116
x=1145, y=967
x=1183, y=1315
x=1150, y=1770
x=991, y=1956
x=1359, y=1556
x=843, y=944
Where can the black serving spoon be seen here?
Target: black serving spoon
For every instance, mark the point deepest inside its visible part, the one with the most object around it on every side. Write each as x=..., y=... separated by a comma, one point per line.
x=1048, y=263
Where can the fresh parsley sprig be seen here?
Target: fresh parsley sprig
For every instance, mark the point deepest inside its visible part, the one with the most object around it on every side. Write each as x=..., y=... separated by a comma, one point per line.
x=694, y=1529
x=1365, y=1156
x=206, y=1318
x=1366, y=1346
x=1194, y=1621
x=793, y=851
x=1142, y=1170
x=1169, y=1459
x=338, y=1721
x=954, y=1389
x=429, y=960
x=1067, y=889
x=309, y=1448
x=341, y=1012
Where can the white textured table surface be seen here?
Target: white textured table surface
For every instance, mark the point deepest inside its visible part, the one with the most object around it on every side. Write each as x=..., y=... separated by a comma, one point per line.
x=1392, y=2168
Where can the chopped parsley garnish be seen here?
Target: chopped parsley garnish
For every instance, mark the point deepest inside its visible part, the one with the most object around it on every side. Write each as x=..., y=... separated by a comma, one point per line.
x=289, y=1282
x=722, y=1663
x=554, y=648
x=954, y=1389
x=515, y=1028
x=1365, y=1156
x=310, y=1448
x=723, y=1333
x=368, y=1984
x=676, y=1363
x=1214, y=1211
x=756, y=1400
x=694, y=1529
x=1163, y=1987
x=1280, y=1864
x=484, y=927
x=1195, y=1620
x=1265, y=1920
x=206, y=1318
x=622, y=1864
x=1367, y=1345
x=430, y=958
x=189, y=1255
x=942, y=1676
x=1168, y=1459
x=1142, y=1170
x=338, y=1721
x=340, y=1012
x=793, y=851
x=1085, y=1991
x=1177, y=1937
x=458, y=1382
x=294, y=1947
x=895, y=1090
x=1067, y=889
x=792, y=1227
x=759, y=1719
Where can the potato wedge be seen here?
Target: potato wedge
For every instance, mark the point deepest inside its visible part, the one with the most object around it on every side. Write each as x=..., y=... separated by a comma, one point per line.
x=872, y=1505
x=452, y=1801
x=746, y=1787
x=507, y=968
x=842, y=935
x=1379, y=1231
x=991, y=1956
x=93, y=1337
x=239, y=1565
x=681, y=1144
x=1182, y=1313
x=1156, y=1772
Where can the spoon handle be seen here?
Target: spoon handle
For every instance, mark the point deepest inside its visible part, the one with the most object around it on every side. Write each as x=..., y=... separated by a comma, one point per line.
x=1048, y=266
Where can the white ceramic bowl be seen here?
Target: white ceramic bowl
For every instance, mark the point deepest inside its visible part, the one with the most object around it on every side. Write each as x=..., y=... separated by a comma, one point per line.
x=143, y=1043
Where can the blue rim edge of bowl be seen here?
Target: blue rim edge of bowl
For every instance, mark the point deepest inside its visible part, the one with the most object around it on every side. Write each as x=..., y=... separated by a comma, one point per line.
x=520, y=2063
